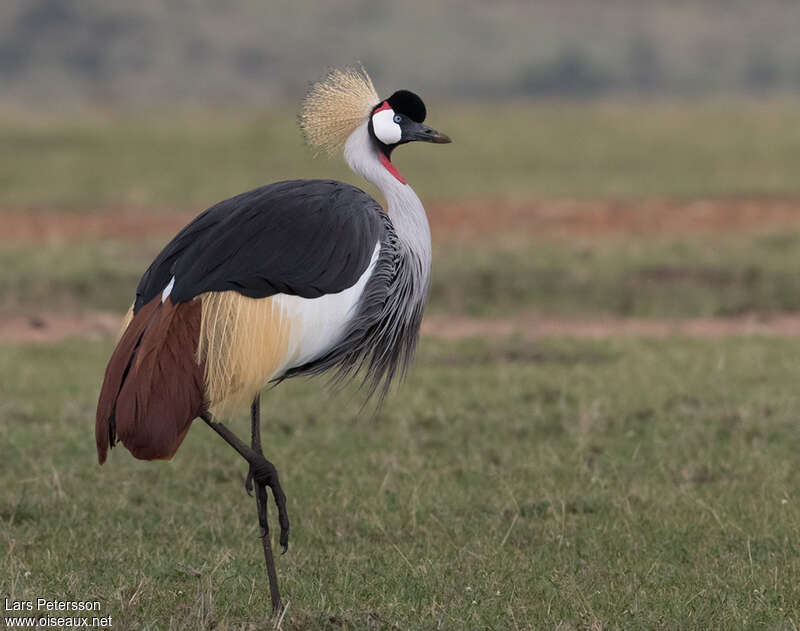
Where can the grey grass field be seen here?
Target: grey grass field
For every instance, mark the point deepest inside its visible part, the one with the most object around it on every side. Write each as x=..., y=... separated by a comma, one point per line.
x=509, y=483
x=600, y=428
x=710, y=275
x=594, y=150
x=632, y=485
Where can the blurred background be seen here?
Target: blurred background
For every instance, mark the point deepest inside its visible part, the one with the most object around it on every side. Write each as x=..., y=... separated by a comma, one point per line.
x=612, y=325
x=583, y=130
x=249, y=54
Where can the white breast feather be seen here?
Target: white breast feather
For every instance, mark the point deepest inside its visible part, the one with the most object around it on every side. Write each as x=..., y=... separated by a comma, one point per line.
x=316, y=324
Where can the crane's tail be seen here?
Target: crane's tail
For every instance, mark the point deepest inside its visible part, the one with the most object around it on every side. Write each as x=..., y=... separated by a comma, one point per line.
x=154, y=385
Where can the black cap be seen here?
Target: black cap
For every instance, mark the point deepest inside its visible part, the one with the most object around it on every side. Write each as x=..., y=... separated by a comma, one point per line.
x=409, y=104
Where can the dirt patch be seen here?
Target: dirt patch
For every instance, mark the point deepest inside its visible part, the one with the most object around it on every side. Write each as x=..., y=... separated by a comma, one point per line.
x=51, y=327
x=475, y=219
x=36, y=224
x=463, y=220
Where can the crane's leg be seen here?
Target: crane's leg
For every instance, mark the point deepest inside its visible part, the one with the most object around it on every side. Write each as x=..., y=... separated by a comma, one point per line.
x=265, y=475
x=261, y=503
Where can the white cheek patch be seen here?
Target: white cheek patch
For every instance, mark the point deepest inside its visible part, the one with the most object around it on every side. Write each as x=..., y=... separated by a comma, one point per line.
x=386, y=130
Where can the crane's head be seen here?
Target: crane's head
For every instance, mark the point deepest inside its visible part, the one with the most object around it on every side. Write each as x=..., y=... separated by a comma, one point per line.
x=346, y=99
x=398, y=120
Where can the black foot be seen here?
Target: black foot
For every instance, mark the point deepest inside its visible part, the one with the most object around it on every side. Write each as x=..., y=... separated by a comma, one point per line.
x=265, y=475
x=248, y=482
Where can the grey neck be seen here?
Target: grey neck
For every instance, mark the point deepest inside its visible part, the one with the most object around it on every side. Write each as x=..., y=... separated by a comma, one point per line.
x=404, y=207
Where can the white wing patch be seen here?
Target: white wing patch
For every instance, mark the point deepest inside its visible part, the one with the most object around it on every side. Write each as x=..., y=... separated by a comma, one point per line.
x=167, y=290
x=317, y=324
x=386, y=130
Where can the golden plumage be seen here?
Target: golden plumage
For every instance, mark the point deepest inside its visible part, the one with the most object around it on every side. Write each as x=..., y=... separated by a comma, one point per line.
x=243, y=342
x=336, y=106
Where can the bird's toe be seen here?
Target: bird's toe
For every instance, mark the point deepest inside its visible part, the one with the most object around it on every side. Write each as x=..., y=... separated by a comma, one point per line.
x=248, y=482
x=284, y=540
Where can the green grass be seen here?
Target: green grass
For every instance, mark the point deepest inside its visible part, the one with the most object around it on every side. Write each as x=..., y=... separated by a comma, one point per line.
x=614, y=150
x=626, y=484
x=679, y=276
x=623, y=484
x=701, y=275
x=95, y=274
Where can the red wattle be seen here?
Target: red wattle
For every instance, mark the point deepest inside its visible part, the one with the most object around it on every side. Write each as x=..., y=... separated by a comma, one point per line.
x=391, y=168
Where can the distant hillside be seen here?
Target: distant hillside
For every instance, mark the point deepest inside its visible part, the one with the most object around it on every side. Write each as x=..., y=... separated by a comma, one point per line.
x=254, y=53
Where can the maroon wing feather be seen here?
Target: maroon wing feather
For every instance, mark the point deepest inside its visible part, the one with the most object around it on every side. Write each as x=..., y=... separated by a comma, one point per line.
x=153, y=388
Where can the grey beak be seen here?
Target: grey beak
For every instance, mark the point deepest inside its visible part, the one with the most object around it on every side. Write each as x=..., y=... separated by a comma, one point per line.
x=423, y=133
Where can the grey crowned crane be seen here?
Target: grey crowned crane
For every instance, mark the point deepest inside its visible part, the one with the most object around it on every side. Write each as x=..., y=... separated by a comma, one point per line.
x=294, y=278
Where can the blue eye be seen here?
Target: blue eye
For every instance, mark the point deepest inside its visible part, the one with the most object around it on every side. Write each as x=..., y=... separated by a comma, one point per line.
x=398, y=118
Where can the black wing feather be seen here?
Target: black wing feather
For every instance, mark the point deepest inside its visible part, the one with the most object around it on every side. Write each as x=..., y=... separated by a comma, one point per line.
x=301, y=237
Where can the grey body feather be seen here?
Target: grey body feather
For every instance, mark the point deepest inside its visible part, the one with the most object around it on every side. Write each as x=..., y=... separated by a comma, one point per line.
x=307, y=238
x=382, y=336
